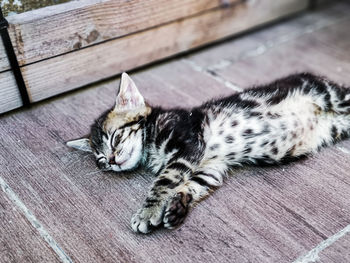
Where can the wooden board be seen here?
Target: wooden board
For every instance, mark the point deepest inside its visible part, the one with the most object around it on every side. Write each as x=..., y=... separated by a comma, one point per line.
x=260, y=215
x=19, y=241
x=339, y=252
x=310, y=55
x=61, y=50
x=334, y=24
x=75, y=69
x=10, y=97
x=49, y=32
x=4, y=63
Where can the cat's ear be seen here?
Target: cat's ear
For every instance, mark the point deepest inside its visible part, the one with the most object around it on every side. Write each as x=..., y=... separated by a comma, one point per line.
x=80, y=144
x=129, y=96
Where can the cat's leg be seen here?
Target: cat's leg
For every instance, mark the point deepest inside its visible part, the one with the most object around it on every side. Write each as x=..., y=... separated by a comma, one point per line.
x=162, y=192
x=195, y=186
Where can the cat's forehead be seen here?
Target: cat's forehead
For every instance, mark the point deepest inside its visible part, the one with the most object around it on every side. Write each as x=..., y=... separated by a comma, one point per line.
x=116, y=119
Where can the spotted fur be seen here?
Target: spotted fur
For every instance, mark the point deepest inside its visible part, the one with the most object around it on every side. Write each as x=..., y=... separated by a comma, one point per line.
x=191, y=151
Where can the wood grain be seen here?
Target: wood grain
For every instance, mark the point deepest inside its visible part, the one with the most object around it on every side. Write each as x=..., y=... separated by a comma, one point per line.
x=72, y=70
x=339, y=252
x=308, y=55
x=37, y=36
x=259, y=42
x=10, y=97
x=19, y=241
x=260, y=215
x=4, y=63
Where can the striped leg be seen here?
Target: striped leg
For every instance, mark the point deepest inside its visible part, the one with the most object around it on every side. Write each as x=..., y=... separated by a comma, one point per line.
x=194, y=188
x=163, y=190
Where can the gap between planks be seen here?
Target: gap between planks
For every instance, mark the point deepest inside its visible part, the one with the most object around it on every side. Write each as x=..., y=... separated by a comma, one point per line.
x=212, y=74
x=312, y=255
x=35, y=222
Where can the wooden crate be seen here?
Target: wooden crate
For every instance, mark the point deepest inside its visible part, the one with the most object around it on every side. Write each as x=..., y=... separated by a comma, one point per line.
x=63, y=47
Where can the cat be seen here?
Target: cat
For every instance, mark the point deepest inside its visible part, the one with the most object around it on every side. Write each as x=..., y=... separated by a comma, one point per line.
x=191, y=150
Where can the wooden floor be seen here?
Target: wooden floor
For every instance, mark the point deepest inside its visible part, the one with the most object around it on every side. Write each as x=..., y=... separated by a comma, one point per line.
x=56, y=206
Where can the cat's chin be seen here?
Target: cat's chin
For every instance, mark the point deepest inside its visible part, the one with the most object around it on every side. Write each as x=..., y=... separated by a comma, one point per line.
x=126, y=166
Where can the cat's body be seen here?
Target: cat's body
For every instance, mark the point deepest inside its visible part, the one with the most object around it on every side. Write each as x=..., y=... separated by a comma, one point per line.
x=190, y=151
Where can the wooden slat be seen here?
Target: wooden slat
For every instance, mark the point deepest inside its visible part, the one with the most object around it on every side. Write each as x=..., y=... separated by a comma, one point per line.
x=10, y=97
x=72, y=70
x=258, y=42
x=46, y=32
x=338, y=252
x=261, y=215
x=310, y=54
x=19, y=241
x=4, y=63
x=271, y=214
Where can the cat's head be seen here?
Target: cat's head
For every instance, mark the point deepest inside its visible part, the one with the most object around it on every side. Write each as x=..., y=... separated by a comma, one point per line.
x=117, y=136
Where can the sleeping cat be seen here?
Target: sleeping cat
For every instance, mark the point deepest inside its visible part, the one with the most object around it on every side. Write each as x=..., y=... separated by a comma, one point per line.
x=191, y=150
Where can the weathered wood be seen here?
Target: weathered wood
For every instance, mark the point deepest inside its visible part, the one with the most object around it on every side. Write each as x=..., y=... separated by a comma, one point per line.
x=260, y=215
x=4, y=63
x=10, y=97
x=40, y=35
x=260, y=41
x=308, y=55
x=19, y=241
x=338, y=252
x=72, y=70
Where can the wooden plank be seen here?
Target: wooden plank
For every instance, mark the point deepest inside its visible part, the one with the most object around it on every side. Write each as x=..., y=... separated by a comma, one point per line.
x=308, y=55
x=320, y=3
x=10, y=97
x=330, y=36
x=45, y=33
x=255, y=43
x=262, y=215
x=310, y=193
x=72, y=70
x=4, y=63
x=338, y=252
x=189, y=87
x=273, y=214
x=19, y=241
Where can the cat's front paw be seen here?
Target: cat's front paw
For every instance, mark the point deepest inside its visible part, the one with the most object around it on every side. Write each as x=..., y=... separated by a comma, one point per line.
x=147, y=218
x=177, y=210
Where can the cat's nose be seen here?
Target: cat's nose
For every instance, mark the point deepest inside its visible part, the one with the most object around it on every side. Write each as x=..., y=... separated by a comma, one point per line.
x=111, y=159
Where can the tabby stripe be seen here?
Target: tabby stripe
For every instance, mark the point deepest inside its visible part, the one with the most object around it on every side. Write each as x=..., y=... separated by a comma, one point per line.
x=151, y=201
x=138, y=121
x=100, y=158
x=113, y=139
x=179, y=166
x=162, y=137
x=166, y=182
x=208, y=175
x=344, y=104
x=200, y=181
